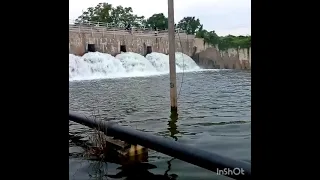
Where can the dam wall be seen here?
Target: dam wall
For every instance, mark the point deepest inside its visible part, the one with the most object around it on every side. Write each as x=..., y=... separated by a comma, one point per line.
x=110, y=41
x=212, y=58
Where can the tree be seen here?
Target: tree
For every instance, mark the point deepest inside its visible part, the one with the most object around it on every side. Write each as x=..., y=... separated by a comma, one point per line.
x=189, y=24
x=122, y=16
x=208, y=37
x=202, y=33
x=243, y=41
x=104, y=12
x=100, y=13
x=231, y=41
x=212, y=38
x=158, y=21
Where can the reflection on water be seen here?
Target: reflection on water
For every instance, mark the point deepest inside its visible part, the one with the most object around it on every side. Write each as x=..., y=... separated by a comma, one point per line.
x=173, y=129
x=99, y=170
x=175, y=176
x=214, y=115
x=172, y=126
x=141, y=171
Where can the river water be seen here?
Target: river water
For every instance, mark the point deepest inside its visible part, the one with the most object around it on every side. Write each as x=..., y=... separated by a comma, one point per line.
x=214, y=115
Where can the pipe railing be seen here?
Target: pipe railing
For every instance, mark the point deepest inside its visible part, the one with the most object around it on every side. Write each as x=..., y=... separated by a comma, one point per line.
x=103, y=31
x=110, y=28
x=114, y=26
x=201, y=158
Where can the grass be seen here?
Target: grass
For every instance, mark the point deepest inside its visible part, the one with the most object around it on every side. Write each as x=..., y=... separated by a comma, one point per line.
x=97, y=148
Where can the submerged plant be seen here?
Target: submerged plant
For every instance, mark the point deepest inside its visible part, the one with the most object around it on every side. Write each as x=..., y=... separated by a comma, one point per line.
x=97, y=146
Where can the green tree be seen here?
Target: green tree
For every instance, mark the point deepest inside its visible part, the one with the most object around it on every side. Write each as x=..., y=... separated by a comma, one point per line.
x=209, y=37
x=104, y=12
x=100, y=13
x=223, y=42
x=158, y=21
x=213, y=38
x=243, y=41
x=227, y=42
x=189, y=24
x=122, y=16
x=201, y=33
x=231, y=41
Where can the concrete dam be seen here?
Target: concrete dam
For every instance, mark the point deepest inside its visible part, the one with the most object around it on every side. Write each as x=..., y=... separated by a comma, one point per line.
x=141, y=41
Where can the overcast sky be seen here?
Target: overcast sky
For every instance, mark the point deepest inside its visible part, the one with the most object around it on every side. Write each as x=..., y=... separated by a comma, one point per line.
x=223, y=16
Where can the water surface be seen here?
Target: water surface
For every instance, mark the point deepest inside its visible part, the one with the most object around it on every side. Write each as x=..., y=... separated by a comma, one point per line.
x=214, y=115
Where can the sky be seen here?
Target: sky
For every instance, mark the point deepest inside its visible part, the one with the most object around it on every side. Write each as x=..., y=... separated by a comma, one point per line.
x=223, y=16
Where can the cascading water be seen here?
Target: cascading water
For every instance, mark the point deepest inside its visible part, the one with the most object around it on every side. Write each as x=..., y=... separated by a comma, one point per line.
x=134, y=62
x=159, y=61
x=184, y=62
x=95, y=65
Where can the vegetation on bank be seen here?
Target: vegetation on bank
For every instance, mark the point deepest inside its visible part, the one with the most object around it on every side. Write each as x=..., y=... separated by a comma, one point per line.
x=122, y=16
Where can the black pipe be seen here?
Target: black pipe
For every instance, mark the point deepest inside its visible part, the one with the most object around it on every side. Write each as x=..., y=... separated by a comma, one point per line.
x=204, y=159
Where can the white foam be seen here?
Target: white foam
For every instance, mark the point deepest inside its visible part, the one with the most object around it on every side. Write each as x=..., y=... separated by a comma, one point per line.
x=186, y=63
x=95, y=65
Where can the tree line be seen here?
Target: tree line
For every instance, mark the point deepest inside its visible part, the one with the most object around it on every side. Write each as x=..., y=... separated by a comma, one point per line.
x=122, y=16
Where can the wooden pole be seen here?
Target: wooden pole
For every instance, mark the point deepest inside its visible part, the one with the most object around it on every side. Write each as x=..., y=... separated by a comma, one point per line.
x=172, y=61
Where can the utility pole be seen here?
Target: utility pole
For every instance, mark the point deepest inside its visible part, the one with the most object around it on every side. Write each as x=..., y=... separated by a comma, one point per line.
x=172, y=61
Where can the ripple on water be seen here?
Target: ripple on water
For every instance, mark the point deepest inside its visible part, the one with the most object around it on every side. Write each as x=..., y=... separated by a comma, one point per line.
x=214, y=115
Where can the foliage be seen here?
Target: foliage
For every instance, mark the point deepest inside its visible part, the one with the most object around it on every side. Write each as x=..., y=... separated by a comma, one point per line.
x=104, y=12
x=157, y=21
x=234, y=42
x=189, y=24
x=209, y=37
x=122, y=16
x=100, y=13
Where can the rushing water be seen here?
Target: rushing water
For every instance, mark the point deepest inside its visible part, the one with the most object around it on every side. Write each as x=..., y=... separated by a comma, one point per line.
x=214, y=115
x=100, y=65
